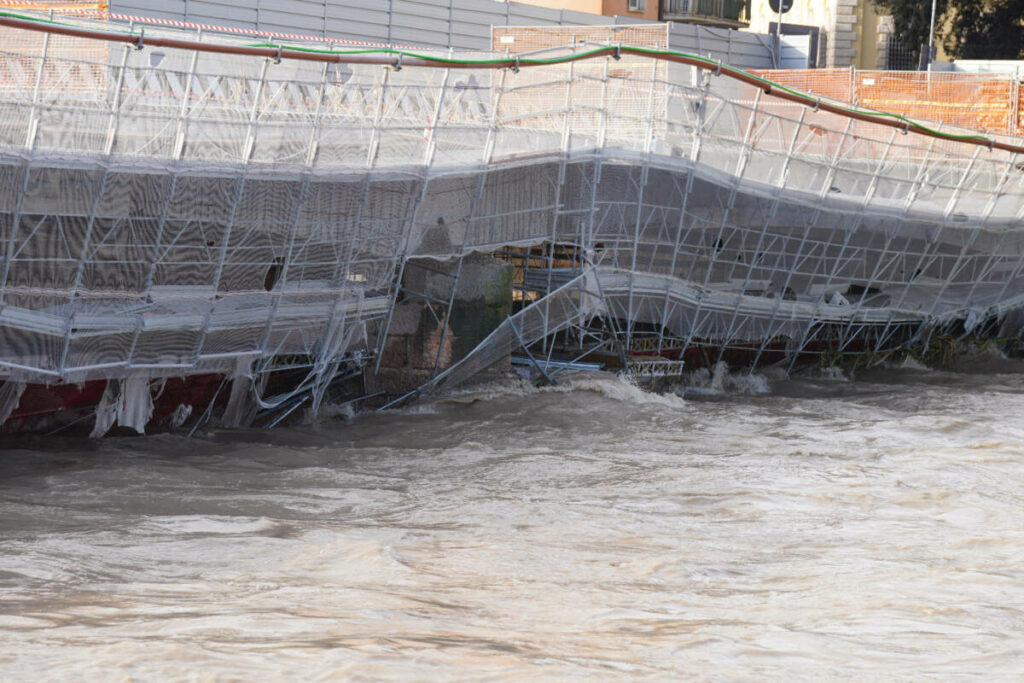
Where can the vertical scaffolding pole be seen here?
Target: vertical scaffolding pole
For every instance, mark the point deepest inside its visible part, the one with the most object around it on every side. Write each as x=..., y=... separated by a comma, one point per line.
x=34, y=112
x=183, y=115
x=31, y=136
x=568, y=112
x=641, y=189
x=115, y=104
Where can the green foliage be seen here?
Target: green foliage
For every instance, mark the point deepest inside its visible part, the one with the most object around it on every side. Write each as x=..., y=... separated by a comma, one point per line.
x=911, y=19
x=986, y=30
x=967, y=29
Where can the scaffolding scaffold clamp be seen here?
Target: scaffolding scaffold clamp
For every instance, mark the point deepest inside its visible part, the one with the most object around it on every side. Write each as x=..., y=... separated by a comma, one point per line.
x=618, y=52
x=515, y=66
x=906, y=127
x=140, y=41
x=277, y=57
x=398, y=63
x=718, y=69
x=817, y=103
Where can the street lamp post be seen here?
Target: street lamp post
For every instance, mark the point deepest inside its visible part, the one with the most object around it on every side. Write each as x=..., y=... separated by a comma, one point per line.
x=931, y=36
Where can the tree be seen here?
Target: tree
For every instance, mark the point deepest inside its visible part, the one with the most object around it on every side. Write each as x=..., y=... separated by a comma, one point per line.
x=977, y=29
x=911, y=20
x=986, y=30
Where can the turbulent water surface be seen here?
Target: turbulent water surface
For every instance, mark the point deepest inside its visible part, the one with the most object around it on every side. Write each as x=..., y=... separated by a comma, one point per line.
x=864, y=529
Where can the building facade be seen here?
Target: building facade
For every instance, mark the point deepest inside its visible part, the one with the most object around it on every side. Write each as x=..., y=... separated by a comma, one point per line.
x=719, y=13
x=640, y=9
x=845, y=32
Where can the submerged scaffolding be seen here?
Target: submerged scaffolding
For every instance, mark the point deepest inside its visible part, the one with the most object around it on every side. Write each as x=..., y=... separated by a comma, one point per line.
x=173, y=204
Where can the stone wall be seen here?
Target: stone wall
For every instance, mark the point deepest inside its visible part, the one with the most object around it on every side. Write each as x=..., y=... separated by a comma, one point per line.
x=842, y=44
x=419, y=336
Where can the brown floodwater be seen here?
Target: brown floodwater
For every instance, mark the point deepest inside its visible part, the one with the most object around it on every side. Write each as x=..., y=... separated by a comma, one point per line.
x=754, y=528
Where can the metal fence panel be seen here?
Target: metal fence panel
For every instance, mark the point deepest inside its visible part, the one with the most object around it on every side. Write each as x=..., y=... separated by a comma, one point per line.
x=413, y=9
x=461, y=24
x=738, y=48
x=222, y=10
x=521, y=13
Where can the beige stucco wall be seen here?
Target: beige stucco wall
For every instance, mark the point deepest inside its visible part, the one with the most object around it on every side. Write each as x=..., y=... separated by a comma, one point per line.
x=591, y=6
x=850, y=28
x=608, y=8
x=870, y=42
x=807, y=12
x=616, y=7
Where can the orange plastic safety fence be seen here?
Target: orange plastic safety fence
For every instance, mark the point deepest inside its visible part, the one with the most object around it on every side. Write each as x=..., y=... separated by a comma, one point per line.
x=79, y=8
x=984, y=102
x=837, y=84
x=979, y=101
x=70, y=69
x=519, y=39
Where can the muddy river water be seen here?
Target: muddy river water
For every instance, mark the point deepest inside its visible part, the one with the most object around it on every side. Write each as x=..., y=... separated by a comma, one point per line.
x=760, y=528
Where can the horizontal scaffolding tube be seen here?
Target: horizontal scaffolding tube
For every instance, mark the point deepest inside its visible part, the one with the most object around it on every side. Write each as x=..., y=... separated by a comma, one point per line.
x=404, y=58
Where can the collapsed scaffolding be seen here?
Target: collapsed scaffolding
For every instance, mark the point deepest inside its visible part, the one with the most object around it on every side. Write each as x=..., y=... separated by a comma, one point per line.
x=179, y=204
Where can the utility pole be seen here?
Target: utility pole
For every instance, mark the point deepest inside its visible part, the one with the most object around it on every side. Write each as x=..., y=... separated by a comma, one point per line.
x=931, y=37
x=779, y=7
x=778, y=31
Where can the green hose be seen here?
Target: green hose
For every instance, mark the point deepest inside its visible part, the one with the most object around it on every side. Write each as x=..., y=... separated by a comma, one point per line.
x=548, y=61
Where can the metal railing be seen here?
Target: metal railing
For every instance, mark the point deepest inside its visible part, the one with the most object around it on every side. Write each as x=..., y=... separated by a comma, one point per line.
x=729, y=13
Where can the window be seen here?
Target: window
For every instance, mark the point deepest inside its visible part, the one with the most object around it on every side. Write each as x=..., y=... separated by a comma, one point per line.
x=636, y=5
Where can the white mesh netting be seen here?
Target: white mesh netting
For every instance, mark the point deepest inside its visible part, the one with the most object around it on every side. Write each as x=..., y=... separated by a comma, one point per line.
x=168, y=212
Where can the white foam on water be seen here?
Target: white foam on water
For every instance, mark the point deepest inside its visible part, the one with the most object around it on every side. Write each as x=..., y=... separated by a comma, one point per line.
x=615, y=387
x=833, y=374
x=719, y=381
x=208, y=525
x=608, y=385
x=911, y=363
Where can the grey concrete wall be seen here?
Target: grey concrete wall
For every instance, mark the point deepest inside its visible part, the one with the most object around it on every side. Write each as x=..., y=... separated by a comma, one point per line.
x=736, y=48
x=460, y=24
